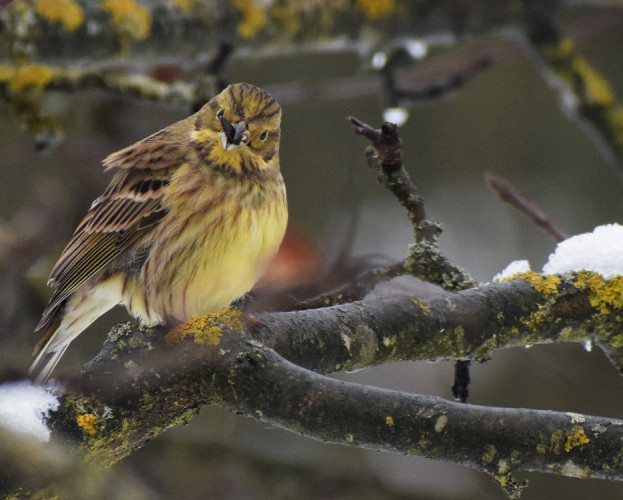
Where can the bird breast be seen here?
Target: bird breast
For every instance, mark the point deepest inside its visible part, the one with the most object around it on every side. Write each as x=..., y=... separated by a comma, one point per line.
x=217, y=254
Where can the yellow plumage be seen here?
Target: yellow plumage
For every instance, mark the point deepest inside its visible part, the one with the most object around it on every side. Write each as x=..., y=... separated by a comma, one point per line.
x=186, y=225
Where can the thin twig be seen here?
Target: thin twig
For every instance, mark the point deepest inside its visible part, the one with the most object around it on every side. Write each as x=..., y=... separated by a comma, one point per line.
x=424, y=260
x=385, y=156
x=509, y=194
x=357, y=289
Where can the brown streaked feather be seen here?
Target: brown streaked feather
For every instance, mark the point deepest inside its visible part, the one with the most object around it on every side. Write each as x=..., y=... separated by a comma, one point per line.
x=130, y=208
x=51, y=325
x=156, y=152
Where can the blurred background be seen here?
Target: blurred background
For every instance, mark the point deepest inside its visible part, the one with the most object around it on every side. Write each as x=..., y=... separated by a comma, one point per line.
x=506, y=119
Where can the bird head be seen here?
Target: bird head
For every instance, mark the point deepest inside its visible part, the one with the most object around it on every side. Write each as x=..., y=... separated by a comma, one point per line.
x=239, y=129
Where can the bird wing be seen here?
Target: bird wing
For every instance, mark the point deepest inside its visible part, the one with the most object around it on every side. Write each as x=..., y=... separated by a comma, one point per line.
x=129, y=209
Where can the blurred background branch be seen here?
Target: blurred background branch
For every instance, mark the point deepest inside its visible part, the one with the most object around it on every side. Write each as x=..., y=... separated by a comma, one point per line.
x=134, y=50
x=585, y=95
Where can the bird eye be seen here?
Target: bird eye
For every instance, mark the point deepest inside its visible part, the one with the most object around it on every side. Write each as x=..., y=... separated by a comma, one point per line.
x=220, y=113
x=263, y=135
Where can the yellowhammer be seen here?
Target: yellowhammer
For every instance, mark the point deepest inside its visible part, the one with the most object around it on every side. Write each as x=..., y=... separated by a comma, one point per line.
x=187, y=224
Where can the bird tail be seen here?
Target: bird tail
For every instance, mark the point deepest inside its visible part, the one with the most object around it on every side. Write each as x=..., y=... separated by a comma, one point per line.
x=46, y=356
x=69, y=320
x=45, y=362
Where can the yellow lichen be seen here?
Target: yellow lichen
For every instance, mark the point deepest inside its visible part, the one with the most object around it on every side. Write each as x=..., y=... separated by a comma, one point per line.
x=503, y=479
x=389, y=421
x=604, y=294
x=88, y=423
x=253, y=17
x=128, y=18
x=66, y=12
x=536, y=319
x=576, y=438
x=580, y=75
x=566, y=47
x=616, y=341
x=544, y=284
x=425, y=308
x=374, y=9
x=206, y=329
x=596, y=87
x=27, y=76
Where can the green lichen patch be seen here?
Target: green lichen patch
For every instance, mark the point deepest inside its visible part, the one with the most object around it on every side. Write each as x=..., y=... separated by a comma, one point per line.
x=447, y=343
x=509, y=484
x=122, y=436
x=489, y=454
x=556, y=441
x=425, y=261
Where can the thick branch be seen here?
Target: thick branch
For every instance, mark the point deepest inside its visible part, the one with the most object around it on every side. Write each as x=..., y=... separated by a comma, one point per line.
x=139, y=385
x=471, y=323
x=128, y=396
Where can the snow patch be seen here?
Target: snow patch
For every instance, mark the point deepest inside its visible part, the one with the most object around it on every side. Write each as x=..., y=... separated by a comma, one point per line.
x=599, y=252
x=515, y=267
x=23, y=407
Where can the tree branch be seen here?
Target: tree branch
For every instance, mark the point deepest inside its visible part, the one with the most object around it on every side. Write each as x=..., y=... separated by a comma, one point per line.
x=585, y=95
x=127, y=395
x=424, y=260
x=144, y=381
x=509, y=194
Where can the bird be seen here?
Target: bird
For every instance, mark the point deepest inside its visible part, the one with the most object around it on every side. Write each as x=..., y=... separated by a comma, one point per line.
x=187, y=224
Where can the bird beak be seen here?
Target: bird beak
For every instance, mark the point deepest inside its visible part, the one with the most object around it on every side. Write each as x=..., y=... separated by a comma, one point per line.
x=233, y=136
